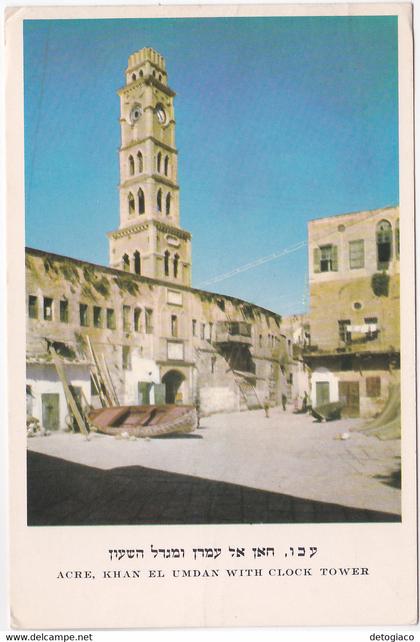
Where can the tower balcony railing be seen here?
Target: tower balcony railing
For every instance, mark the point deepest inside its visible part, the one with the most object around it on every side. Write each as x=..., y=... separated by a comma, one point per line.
x=233, y=332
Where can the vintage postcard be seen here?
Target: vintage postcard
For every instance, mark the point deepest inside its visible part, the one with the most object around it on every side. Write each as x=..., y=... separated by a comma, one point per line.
x=212, y=400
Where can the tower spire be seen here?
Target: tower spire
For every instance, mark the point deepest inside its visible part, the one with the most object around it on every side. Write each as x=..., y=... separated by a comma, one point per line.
x=149, y=192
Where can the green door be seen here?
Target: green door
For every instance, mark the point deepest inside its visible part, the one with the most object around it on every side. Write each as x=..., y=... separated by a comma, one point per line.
x=143, y=394
x=160, y=393
x=50, y=411
x=322, y=393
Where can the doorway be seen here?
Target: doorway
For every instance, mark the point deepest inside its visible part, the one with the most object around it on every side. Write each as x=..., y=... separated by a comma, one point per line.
x=173, y=381
x=50, y=411
x=348, y=393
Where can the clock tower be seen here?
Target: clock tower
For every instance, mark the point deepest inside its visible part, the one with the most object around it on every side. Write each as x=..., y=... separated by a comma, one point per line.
x=149, y=240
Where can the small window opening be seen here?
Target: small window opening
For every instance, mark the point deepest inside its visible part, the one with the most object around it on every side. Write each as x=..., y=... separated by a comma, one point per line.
x=126, y=318
x=48, y=309
x=137, y=319
x=64, y=311
x=176, y=262
x=168, y=204
x=33, y=307
x=159, y=162
x=97, y=316
x=140, y=198
x=166, y=166
x=174, y=325
x=126, y=263
x=83, y=312
x=126, y=358
x=166, y=263
x=131, y=165
x=110, y=319
x=137, y=262
x=159, y=200
x=384, y=244
x=140, y=162
x=148, y=317
x=131, y=204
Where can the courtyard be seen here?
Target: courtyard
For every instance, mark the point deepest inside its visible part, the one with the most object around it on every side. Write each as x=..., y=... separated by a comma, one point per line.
x=236, y=468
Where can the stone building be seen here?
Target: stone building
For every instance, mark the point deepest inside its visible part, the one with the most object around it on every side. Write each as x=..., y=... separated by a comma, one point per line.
x=296, y=328
x=354, y=309
x=160, y=339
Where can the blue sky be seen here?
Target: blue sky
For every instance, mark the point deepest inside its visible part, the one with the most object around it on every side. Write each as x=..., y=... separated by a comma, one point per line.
x=279, y=121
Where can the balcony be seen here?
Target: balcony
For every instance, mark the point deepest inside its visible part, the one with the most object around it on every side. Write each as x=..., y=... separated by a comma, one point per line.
x=233, y=332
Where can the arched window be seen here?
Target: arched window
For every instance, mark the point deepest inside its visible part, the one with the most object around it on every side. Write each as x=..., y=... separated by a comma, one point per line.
x=131, y=204
x=137, y=262
x=176, y=261
x=133, y=77
x=141, y=73
x=159, y=200
x=168, y=204
x=383, y=244
x=140, y=162
x=160, y=77
x=158, y=162
x=131, y=165
x=166, y=165
x=140, y=199
x=126, y=263
x=166, y=263
x=397, y=239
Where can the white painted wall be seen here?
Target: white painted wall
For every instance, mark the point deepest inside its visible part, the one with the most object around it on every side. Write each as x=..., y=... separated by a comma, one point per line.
x=44, y=379
x=323, y=374
x=141, y=370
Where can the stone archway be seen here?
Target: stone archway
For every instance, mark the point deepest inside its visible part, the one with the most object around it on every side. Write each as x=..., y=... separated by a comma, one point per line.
x=173, y=379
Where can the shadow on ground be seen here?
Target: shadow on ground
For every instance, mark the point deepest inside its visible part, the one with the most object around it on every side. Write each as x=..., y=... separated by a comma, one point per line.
x=393, y=479
x=63, y=493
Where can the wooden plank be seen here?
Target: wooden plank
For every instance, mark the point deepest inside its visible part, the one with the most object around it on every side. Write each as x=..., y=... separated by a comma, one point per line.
x=68, y=394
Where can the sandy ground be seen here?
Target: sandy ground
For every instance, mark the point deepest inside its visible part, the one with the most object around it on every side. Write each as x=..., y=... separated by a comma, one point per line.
x=285, y=453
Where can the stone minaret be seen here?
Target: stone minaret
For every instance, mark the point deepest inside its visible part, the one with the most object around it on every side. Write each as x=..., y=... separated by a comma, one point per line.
x=149, y=240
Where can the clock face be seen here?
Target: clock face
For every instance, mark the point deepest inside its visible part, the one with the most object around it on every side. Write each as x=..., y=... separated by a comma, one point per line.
x=160, y=113
x=135, y=113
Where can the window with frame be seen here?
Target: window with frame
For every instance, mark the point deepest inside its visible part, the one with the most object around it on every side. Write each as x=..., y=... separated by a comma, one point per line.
x=373, y=386
x=97, y=316
x=64, y=311
x=83, y=313
x=48, y=309
x=357, y=254
x=326, y=258
x=110, y=319
x=33, y=306
x=203, y=330
x=194, y=327
x=343, y=333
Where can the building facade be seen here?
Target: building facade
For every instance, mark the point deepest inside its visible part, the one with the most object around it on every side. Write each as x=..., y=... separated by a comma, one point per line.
x=354, y=309
x=160, y=340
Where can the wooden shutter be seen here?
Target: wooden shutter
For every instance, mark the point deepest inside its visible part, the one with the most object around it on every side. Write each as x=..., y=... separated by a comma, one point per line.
x=317, y=259
x=373, y=386
x=334, y=258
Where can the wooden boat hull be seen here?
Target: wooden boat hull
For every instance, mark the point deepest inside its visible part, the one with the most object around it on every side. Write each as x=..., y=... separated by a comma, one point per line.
x=144, y=421
x=328, y=412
